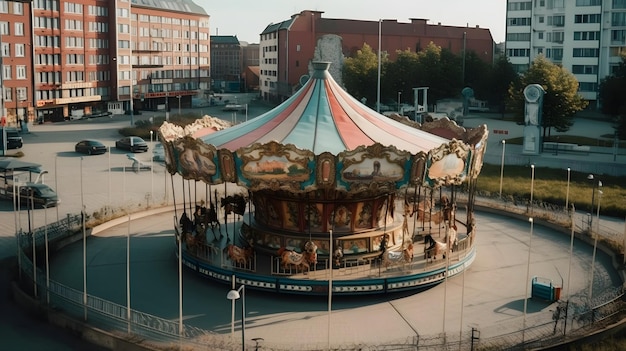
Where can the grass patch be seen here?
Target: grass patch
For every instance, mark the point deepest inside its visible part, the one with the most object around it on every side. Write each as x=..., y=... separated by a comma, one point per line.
x=550, y=185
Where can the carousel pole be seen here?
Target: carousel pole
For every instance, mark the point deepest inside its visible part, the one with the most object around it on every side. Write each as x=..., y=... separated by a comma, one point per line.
x=226, y=216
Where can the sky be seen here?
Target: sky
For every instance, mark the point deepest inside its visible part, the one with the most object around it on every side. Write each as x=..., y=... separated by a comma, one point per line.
x=248, y=18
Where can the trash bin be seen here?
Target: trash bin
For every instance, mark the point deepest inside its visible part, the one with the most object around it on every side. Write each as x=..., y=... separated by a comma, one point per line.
x=557, y=293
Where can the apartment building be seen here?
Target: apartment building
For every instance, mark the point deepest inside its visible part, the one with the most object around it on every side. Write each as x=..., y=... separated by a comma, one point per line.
x=287, y=47
x=16, y=79
x=587, y=37
x=85, y=57
x=226, y=55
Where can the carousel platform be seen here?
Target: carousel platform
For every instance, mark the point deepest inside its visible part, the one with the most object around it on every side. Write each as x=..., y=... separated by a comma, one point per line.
x=346, y=276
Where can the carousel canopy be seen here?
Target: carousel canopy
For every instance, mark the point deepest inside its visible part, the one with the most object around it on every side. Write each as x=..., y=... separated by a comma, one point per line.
x=322, y=117
x=323, y=138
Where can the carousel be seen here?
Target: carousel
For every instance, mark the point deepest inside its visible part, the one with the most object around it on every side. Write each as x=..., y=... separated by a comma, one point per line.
x=322, y=188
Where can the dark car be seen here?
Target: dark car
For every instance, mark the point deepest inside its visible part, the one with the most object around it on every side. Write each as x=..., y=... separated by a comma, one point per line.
x=90, y=147
x=132, y=144
x=41, y=195
x=14, y=140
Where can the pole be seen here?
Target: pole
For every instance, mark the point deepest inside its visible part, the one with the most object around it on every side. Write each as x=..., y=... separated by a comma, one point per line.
x=56, y=182
x=595, y=246
x=532, y=187
x=527, y=276
x=567, y=192
x=569, y=269
x=83, y=214
x=243, y=317
x=128, y=274
x=109, y=175
x=151, y=170
x=330, y=284
x=593, y=193
x=380, y=21
x=502, y=165
x=45, y=231
x=32, y=213
x=180, y=280
x=232, y=319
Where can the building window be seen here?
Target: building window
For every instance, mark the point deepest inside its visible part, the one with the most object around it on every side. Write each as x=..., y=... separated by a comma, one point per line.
x=619, y=4
x=555, y=37
x=520, y=6
x=618, y=37
x=20, y=72
x=585, y=69
x=4, y=7
x=6, y=50
x=618, y=19
x=518, y=37
x=19, y=50
x=588, y=2
x=555, y=54
x=556, y=4
x=518, y=52
x=6, y=72
x=586, y=35
x=585, y=52
x=593, y=18
x=541, y=19
x=18, y=8
x=557, y=21
x=522, y=21
x=588, y=86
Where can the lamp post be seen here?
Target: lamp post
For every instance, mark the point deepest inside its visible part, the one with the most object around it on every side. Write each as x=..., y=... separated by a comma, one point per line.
x=593, y=193
x=151, y=169
x=595, y=246
x=45, y=215
x=532, y=187
x=567, y=191
x=502, y=165
x=530, y=239
x=178, y=96
x=235, y=295
x=399, y=93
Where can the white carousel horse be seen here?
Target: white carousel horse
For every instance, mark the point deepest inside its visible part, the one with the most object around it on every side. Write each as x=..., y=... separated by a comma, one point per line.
x=396, y=257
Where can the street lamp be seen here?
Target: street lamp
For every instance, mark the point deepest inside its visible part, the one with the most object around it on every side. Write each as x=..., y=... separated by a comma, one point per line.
x=532, y=187
x=593, y=193
x=235, y=295
x=399, y=93
x=595, y=246
x=567, y=191
x=502, y=165
x=178, y=96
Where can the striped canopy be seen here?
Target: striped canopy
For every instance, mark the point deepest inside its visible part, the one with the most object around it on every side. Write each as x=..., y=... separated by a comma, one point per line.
x=322, y=117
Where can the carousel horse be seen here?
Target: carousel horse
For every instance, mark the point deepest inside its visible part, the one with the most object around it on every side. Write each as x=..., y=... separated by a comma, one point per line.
x=239, y=255
x=435, y=247
x=234, y=203
x=396, y=257
x=299, y=260
x=186, y=224
x=338, y=255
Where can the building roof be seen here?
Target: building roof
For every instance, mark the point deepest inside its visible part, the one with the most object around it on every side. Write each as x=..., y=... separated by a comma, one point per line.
x=322, y=117
x=277, y=26
x=187, y=6
x=224, y=39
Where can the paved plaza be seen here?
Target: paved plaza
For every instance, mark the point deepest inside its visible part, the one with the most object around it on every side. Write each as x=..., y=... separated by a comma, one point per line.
x=489, y=296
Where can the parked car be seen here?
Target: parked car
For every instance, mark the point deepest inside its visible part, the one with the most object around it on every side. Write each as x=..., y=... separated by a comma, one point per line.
x=90, y=147
x=42, y=195
x=132, y=144
x=158, y=153
x=14, y=140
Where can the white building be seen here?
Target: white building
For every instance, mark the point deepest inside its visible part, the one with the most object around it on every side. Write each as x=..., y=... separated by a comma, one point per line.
x=586, y=37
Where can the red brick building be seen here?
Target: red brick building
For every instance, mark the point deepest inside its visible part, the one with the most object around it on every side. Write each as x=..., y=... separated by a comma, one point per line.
x=288, y=47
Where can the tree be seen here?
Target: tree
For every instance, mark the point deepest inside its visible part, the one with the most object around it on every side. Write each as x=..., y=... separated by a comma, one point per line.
x=560, y=101
x=501, y=76
x=360, y=73
x=611, y=95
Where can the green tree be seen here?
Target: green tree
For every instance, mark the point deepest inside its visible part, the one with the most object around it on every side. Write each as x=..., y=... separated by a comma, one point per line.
x=401, y=76
x=360, y=74
x=501, y=76
x=611, y=95
x=560, y=101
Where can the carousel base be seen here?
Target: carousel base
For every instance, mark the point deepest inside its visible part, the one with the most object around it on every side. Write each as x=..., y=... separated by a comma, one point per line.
x=345, y=277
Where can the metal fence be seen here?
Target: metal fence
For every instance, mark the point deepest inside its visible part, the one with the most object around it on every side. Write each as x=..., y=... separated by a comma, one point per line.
x=572, y=318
